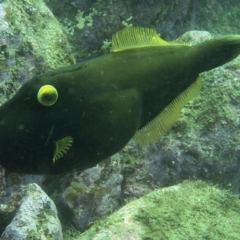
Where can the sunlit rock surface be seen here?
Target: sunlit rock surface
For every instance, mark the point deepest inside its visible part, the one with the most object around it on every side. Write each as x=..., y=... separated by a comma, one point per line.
x=31, y=42
x=36, y=218
x=191, y=210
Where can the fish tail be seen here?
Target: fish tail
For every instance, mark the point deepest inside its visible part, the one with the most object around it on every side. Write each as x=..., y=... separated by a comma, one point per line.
x=216, y=52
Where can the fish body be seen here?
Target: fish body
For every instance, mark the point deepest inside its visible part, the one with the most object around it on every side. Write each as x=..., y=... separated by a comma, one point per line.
x=102, y=103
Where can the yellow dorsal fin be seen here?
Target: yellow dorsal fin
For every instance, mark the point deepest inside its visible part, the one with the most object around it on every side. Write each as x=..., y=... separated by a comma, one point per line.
x=162, y=123
x=137, y=37
x=62, y=146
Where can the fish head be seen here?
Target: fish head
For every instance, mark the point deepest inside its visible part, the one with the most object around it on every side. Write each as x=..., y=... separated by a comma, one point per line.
x=31, y=123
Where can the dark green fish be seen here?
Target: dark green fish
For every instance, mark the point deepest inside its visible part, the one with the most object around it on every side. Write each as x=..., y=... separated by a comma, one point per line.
x=77, y=116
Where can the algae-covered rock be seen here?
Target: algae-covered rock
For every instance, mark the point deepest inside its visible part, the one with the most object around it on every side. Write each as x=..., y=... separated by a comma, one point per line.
x=36, y=218
x=95, y=193
x=12, y=194
x=191, y=210
x=31, y=42
x=90, y=24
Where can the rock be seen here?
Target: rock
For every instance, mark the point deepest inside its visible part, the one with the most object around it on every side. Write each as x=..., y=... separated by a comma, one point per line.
x=95, y=193
x=36, y=218
x=191, y=210
x=101, y=19
x=31, y=42
x=11, y=193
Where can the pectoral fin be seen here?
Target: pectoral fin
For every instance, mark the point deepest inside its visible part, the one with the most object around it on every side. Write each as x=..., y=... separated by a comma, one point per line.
x=62, y=146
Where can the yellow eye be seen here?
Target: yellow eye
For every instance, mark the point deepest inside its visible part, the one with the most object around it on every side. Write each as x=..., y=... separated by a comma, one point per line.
x=47, y=95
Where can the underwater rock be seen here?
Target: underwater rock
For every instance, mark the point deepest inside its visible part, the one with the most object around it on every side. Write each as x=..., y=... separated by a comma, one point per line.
x=191, y=210
x=12, y=194
x=95, y=193
x=36, y=218
x=100, y=19
x=7, y=211
x=31, y=42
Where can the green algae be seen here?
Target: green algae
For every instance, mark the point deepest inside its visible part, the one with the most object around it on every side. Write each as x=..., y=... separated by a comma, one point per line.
x=33, y=42
x=40, y=30
x=195, y=211
x=191, y=210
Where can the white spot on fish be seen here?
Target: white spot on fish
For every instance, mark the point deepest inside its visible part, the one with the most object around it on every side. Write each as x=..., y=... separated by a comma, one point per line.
x=20, y=127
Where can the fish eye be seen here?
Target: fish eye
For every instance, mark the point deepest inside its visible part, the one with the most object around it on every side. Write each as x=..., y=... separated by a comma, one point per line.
x=47, y=95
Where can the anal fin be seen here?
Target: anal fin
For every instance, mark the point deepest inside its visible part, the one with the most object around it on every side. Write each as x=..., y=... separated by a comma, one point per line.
x=162, y=123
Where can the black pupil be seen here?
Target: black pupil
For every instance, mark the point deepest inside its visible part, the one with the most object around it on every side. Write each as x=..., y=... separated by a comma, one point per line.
x=48, y=97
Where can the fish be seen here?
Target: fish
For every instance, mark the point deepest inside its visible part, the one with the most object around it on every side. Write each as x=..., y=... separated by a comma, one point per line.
x=75, y=117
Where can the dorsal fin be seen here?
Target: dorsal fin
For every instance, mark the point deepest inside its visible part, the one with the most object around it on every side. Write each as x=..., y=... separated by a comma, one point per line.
x=137, y=37
x=162, y=123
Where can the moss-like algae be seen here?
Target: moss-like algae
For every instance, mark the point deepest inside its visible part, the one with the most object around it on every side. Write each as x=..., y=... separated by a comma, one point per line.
x=191, y=210
x=41, y=31
x=32, y=42
x=195, y=211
